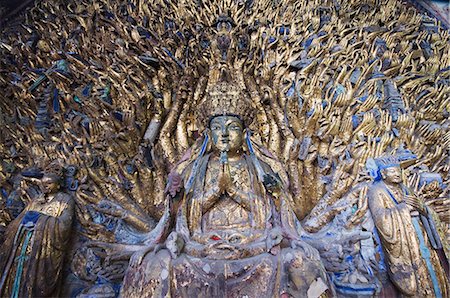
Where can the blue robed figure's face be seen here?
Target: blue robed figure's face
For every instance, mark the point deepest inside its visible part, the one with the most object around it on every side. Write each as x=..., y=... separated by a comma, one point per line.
x=392, y=175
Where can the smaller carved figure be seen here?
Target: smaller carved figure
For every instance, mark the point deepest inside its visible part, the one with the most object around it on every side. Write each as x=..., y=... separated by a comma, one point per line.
x=407, y=236
x=31, y=258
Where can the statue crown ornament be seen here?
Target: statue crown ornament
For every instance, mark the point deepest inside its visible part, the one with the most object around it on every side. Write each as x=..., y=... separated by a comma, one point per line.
x=226, y=96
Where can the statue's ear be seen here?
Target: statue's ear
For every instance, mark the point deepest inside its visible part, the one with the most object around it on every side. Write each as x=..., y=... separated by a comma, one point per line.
x=383, y=174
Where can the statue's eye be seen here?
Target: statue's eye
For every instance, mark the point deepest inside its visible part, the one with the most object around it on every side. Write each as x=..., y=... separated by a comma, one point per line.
x=215, y=127
x=235, y=127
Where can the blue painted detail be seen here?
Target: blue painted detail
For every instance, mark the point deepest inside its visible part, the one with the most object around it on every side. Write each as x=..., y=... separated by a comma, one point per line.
x=143, y=32
x=87, y=90
x=4, y=193
x=427, y=178
x=118, y=115
x=56, y=104
x=355, y=121
x=62, y=67
x=106, y=94
x=191, y=178
x=249, y=144
x=291, y=90
x=178, y=62
x=71, y=184
x=377, y=74
x=396, y=132
x=425, y=252
x=77, y=99
x=16, y=78
x=308, y=42
x=272, y=39
x=363, y=98
x=356, y=74
x=379, y=248
x=20, y=262
x=204, y=145
x=284, y=30
x=300, y=98
x=38, y=70
x=348, y=289
x=110, y=226
x=204, y=43
x=130, y=168
x=31, y=216
x=340, y=89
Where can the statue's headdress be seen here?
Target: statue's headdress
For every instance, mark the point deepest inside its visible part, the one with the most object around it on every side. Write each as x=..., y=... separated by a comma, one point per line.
x=401, y=158
x=385, y=162
x=226, y=95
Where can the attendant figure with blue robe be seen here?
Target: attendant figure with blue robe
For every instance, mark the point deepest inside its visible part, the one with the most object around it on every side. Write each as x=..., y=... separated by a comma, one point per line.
x=32, y=256
x=407, y=233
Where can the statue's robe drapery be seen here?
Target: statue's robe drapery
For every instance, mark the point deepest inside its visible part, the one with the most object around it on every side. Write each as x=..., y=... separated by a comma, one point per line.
x=250, y=271
x=406, y=247
x=32, y=256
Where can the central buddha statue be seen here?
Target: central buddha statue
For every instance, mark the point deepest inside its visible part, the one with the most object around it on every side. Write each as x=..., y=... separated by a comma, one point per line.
x=229, y=229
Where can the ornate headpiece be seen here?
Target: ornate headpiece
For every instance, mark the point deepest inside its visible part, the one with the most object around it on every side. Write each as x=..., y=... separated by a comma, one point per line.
x=225, y=96
x=385, y=162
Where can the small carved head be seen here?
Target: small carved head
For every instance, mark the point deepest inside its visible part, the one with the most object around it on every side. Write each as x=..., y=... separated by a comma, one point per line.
x=50, y=183
x=392, y=175
x=388, y=169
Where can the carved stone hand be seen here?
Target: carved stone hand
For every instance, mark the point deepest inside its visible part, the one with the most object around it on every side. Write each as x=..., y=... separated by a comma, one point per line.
x=225, y=182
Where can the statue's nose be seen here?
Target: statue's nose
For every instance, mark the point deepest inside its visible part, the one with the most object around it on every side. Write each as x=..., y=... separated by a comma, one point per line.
x=224, y=132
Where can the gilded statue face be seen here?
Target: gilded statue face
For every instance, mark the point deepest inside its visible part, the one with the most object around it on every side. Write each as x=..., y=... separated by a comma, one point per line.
x=49, y=184
x=227, y=133
x=392, y=175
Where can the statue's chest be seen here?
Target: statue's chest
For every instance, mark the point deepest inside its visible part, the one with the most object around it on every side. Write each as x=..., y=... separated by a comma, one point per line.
x=53, y=208
x=226, y=213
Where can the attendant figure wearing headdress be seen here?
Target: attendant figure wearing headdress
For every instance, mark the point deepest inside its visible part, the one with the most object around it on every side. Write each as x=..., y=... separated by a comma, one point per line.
x=31, y=258
x=409, y=241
